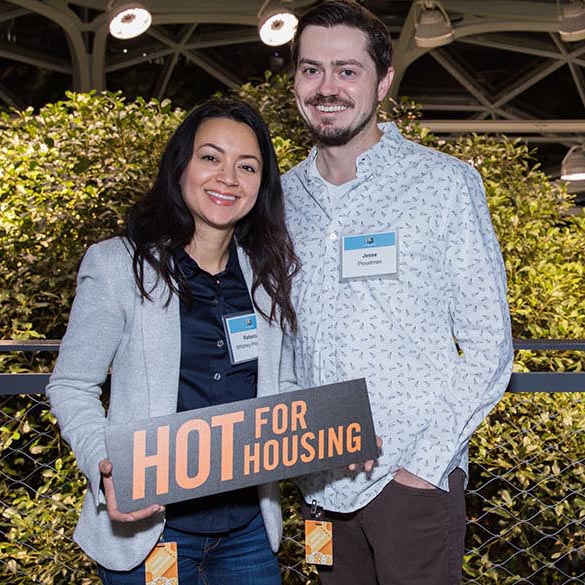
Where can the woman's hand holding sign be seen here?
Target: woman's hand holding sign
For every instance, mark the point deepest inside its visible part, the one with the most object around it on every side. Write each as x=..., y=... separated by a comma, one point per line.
x=105, y=467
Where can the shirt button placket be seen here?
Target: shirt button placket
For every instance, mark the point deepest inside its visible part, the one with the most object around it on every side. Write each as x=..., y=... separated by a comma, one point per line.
x=326, y=340
x=330, y=282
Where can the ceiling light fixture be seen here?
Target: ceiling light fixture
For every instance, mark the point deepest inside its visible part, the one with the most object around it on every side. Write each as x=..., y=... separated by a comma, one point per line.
x=432, y=27
x=277, y=26
x=129, y=19
x=573, y=165
x=572, y=20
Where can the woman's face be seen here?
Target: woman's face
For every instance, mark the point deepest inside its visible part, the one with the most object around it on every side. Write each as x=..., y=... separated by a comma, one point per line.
x=221, y=182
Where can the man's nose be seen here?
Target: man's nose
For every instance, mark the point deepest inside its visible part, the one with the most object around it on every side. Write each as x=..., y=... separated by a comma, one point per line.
x=328, y=85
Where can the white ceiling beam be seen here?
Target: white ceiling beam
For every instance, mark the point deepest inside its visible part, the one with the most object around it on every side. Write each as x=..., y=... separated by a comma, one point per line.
x=507, y=126
x=493, y=114
x=471, y=26
x=505, y=113
x=559, y=44
x=542, y=19
x=162, y=82
x=532, y=77
x=231, y=37
x=195, y=17
x=514, y=44
x=35, y=58
x=567, y=141
x=552, y=139
x=167, y=72
x=12, y=13
x=576, y=72
x=71, y=25
x=579, y=81
x=214, y=69
x=436, y=99
x=462, y=75
x=217, y=11
x=404, y=51
x=436, y=107
x=504, y=9
x=136, y=58
x=202, y=61
x=517, y=113
x=569, y=55
x=98, y=52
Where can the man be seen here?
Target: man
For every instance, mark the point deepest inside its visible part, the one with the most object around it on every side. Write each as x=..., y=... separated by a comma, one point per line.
x=403, y=284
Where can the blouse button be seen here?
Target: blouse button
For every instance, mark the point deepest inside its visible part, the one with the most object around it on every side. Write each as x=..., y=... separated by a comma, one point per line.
x=333, y=236
x=217, y=376
x=220, y=343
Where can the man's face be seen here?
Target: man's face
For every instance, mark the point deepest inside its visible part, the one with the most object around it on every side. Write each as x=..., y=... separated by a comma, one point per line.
x=336, y=84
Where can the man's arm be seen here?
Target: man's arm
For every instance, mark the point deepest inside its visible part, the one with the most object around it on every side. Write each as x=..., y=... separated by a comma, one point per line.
x=480, y=324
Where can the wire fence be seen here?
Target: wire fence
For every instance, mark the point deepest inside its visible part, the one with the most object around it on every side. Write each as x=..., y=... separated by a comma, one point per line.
x=525, y=499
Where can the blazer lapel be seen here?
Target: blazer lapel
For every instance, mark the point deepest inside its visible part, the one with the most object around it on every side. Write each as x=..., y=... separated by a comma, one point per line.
x=161, y=333
x=269, y=335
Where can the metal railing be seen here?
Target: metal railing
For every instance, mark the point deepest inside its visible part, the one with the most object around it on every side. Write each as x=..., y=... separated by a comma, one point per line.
x=525, y=499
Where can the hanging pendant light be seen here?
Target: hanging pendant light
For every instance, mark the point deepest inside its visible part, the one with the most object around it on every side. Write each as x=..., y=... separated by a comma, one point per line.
x=277, y=27
x=572, y=20
x=129, y=19
x=573, y=165
x=432, y=25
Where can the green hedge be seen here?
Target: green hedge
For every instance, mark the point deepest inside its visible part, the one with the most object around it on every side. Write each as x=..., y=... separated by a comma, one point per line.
x=68, y=174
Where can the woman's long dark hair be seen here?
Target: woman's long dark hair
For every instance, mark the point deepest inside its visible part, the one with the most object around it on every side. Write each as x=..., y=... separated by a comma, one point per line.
x=160, y=221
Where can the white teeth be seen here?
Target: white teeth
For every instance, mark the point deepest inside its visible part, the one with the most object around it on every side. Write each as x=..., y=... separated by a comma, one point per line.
x=222, y=196
x=323, y=108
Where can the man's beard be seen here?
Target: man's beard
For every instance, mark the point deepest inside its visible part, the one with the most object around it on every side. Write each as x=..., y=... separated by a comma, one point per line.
x=331, y=136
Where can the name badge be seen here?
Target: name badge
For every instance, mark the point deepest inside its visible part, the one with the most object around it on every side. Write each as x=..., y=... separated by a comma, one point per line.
x=242, y=337
x=369, y=255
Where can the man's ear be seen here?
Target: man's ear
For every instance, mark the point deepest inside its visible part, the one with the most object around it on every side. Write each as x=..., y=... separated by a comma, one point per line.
x=385, y=83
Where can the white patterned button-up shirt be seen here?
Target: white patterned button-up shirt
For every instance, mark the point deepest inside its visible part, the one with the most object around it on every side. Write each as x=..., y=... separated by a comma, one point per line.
x=427, y=397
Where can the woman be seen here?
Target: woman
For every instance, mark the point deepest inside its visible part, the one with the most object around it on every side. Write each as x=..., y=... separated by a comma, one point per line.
x=206, y=242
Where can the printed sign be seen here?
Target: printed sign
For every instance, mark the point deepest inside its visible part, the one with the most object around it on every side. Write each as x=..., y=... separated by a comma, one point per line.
x=221, y=448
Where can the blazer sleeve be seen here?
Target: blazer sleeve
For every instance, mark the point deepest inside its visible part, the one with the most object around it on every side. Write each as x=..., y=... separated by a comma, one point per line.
x=287, y=374
x=93, y=335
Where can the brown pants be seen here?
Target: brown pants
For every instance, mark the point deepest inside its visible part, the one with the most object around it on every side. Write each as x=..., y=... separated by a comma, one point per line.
x=404, y=536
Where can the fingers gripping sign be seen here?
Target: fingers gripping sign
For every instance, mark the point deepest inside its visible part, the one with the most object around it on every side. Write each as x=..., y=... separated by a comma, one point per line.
x=105, y=467
x=370, y=463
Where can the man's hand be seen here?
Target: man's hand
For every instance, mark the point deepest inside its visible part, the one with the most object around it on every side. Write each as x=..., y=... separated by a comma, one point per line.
x=409, y=479
x=105, y=467
x=369, y=464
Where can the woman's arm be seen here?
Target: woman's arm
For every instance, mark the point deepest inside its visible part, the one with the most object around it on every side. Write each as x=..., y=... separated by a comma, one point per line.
x=93, y=334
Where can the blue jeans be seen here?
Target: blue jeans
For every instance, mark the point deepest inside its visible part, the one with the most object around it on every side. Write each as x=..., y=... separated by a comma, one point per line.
x=241, y=557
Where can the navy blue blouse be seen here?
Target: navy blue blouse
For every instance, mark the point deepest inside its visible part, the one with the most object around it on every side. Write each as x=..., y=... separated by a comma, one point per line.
x=207, y=378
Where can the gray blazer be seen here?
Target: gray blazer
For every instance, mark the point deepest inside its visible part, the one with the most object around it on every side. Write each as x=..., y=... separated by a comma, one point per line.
x=110, y=326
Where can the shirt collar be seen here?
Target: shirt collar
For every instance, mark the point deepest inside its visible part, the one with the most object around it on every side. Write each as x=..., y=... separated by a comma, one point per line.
x=190, y=267
x=368, y=163
x=386, y=149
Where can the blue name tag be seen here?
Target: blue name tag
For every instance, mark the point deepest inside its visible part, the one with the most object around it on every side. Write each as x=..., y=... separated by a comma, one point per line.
x=242, y=337
x=369, y=241
x=369, y=255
